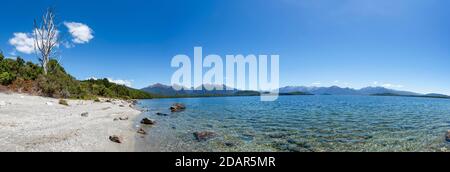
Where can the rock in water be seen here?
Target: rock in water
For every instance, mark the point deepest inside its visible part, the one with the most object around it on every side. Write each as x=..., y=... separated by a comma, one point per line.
x=177, y=107
x=142, y=131
x=161, y=114
x=147, y=121
x=85, y=114
x=116, y=139
x=204, y=136
x=447, y=136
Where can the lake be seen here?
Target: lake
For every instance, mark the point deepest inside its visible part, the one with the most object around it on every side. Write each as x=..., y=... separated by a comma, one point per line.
x=301, y=124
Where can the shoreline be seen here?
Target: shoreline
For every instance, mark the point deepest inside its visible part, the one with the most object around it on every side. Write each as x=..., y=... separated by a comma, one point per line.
x=38, y=124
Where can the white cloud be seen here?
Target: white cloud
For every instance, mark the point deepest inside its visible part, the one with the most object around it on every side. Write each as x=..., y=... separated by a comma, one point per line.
x=80, y=32
x=23, y=42
x=387, y=85
x=93, y=78
x=127, y=83
x=341, y=84
x=316, y=84
x=392, y=86
x=121, y=82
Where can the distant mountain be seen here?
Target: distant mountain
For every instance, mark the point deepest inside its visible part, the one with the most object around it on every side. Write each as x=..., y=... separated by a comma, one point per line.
x=165, y=90
x=160, y=89
x=381, y=90
x=335, y=90
x=433, y=95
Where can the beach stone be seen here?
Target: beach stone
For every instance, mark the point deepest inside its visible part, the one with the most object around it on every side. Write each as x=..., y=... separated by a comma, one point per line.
x=124, y=118
x=116, y=119
x=116, y=139
x=85, y=114
x=2, y=103
x=204, y=135
x=177, y=107
x=147, y=121
x=49, y=104
x=142, y=131
x=133, y=102
x=447, y=136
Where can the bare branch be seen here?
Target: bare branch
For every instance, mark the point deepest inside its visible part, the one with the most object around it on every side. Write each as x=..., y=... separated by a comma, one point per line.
x=46, y=38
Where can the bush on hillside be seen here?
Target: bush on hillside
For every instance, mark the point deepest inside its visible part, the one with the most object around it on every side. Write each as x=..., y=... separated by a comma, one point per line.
x=19, y=75
x=6, y=78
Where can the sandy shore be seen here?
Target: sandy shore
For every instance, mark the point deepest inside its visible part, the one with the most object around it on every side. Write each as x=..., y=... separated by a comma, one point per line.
x=38, y=124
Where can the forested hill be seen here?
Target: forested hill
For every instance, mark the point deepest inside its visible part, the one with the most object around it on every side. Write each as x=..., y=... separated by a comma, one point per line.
x=26, y=77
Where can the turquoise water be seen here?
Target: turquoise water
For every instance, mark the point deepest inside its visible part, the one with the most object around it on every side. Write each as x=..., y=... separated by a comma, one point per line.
x=301, y=124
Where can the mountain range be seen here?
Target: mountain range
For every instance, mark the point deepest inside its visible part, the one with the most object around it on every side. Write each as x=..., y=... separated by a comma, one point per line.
x=165, y=90
x=335, y=90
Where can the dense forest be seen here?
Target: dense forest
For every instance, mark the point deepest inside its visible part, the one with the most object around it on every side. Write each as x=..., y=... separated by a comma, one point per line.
x=26, y=77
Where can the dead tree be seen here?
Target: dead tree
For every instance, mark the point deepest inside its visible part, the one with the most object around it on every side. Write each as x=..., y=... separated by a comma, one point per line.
x=45, y=38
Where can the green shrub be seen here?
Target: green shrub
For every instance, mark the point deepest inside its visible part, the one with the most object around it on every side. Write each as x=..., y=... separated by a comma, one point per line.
x=58, y=83
x=6, y=78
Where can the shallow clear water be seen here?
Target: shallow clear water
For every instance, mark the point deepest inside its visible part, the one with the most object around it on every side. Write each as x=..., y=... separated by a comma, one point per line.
x=302, y=123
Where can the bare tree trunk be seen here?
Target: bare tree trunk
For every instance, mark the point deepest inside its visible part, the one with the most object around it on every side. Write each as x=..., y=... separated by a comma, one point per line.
x=45, y=38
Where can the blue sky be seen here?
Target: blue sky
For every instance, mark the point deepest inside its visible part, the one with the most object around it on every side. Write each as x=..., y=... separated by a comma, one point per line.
x=401, y=44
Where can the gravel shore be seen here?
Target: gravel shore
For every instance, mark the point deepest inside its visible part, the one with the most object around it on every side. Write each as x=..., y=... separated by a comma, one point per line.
x=38, y=124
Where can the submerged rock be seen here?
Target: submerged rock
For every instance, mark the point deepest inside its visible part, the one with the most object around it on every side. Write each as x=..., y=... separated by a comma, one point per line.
x=116, y=139
x=277, y=135
x=447, y=136
x=147, y=121
x=204, y=135
x=161, y=114
x=300, y=144
x=291, y=146
x=229, y=144
x=177, y=107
